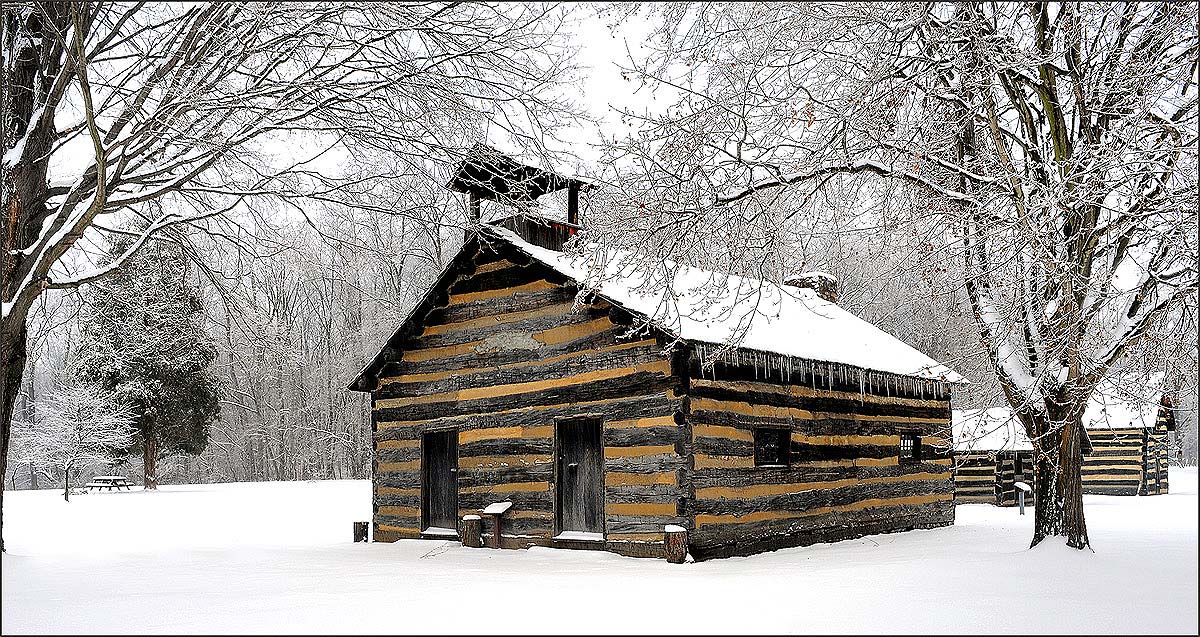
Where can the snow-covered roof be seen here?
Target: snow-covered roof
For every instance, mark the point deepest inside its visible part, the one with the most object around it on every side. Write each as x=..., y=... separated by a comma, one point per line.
x=997, y=429
x=785, y=320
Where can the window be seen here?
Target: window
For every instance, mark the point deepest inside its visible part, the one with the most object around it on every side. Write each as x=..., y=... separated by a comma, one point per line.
x=910, y=448
x=771, y=447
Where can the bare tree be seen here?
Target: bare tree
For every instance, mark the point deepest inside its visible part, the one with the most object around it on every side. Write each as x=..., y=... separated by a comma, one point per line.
x=78, y=427
x=1046, y=152
x=169, y=115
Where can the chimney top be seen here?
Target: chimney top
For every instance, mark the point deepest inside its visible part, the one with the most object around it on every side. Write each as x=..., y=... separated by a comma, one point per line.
x=823, y=283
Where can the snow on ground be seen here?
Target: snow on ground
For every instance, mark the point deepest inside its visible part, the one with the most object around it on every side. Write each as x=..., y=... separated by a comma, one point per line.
x=277, y=557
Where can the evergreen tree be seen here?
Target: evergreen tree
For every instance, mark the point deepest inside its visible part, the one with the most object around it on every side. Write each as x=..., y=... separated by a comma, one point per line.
x=144, y=340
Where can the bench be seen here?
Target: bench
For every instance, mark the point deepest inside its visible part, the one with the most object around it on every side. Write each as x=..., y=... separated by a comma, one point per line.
x=109, y=482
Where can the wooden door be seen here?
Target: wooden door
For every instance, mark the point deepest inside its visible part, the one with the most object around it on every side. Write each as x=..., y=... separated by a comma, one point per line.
x=439, y=479
x=580, y=492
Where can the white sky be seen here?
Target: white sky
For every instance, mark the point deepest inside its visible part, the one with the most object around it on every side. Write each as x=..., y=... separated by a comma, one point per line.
x=601, y=52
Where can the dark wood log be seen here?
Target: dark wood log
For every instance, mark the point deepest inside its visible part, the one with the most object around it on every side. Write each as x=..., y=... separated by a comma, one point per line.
x=472, y=529
x=642, y=436
x=360, y=531
x=518, y=302
x=656, y=463
x=585, y=361
x=632, y=384
x=831, y=425
x=676, y=544
x=824, y=404
x=820, y=498
x=485, y=360
x=618, y=408
x=507, y=277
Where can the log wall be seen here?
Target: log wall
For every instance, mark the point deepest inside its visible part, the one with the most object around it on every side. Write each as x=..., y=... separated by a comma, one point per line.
x=1154, y=465
x=498, y=356
x=991, y=478
x=1116, y=464
x=975, y=478
x=844, y=479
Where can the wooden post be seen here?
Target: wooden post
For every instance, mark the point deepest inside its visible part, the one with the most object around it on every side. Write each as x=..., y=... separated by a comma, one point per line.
x=676, y=544
x=360, y=531
x=472, y=531
x=495, y=529
x=573, y=203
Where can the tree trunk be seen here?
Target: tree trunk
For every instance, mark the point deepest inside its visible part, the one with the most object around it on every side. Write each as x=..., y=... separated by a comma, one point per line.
x=67, y=485
x=12, y=351
x=1059, y=488
x=149, y=460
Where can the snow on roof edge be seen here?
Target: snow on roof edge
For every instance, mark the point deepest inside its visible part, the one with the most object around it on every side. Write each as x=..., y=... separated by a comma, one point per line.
x=563, y=264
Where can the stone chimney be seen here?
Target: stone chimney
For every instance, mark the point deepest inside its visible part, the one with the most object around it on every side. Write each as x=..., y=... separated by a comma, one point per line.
x=825, y=285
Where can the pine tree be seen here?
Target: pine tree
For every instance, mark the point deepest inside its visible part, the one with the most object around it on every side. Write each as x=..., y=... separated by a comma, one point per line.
x=144, y=340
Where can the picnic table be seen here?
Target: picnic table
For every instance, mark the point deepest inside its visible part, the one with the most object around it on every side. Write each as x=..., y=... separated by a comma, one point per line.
x=109, y=482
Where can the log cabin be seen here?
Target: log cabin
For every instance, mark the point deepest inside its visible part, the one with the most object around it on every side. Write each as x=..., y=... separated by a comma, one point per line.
x=1125, y=451
x=607, y=410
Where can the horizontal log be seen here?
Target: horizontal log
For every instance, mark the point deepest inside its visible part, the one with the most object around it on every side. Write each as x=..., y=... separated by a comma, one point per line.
x=623, y=523
x=396, y=500
x=810, y=400
x=744, y=408
x=581, y=388
x=616, y=407
x=641, y=508
x=856, y=505
x=644, y=493
x=498, y=279
x=392, y=456
x=516, y=302
x=523, y=501
x=381, y=490
x=702, y=478
x=399, y=479
x=657, y=463
x=826, y=424
x=745, y=539
x=788, y=503
x=637, y=452
x=567, y=364
x=471, y=362
x=758, y=490
x=668, y=435
x=806, y=391
x=399, y=511
x=506, y=447
x=634, y=361
x=510, y=487
x=488, y=295
x=523, y=325
x=487, y=477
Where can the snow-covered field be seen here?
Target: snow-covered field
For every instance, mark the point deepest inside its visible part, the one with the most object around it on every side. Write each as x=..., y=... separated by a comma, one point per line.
x=276, y=557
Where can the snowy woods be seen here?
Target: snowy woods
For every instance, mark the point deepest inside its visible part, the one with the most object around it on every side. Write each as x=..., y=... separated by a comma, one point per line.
x=1037, y=161
x=1010, y=188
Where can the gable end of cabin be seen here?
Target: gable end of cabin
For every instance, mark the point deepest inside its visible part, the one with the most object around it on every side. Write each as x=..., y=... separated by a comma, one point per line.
x=499, y=389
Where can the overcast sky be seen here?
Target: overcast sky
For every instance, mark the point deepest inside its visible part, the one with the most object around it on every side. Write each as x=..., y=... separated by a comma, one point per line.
x=601, y=53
